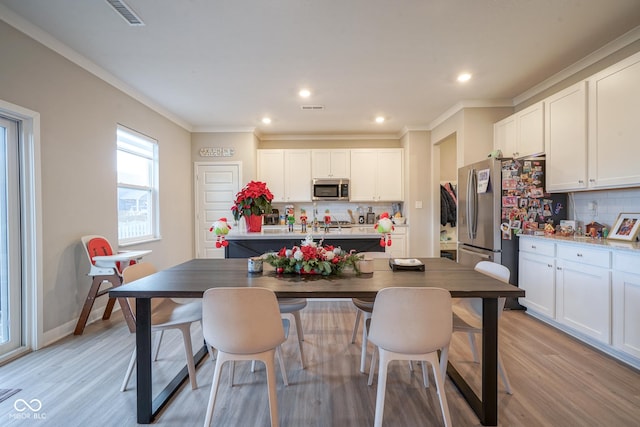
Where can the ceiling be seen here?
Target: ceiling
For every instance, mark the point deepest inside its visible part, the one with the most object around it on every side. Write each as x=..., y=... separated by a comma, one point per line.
x=223, y=65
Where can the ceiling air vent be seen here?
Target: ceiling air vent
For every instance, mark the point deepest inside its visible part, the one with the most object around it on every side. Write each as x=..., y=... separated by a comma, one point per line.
x=312, y=107
x=126, y=12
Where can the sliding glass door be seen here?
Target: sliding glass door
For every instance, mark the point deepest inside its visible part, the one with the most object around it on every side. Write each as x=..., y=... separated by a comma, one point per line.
x=10, y=251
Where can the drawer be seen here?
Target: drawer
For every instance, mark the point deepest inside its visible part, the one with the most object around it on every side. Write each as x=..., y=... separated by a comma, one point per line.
x=537, y=246
x=594, y=257
x=625, y=261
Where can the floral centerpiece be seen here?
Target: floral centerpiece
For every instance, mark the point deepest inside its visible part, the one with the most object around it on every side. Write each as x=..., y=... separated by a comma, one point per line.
x=312, y=258
x=252, y=202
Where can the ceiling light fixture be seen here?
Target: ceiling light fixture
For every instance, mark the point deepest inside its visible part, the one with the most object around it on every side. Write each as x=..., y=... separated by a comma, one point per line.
x=379, y=119
x=464, y=77
x=266, y=120
x=304, y=93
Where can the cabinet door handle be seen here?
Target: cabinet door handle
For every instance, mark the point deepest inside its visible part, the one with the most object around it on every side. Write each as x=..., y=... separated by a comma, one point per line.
x=533, y=246
x=580, y=181
x=592, y=180
x=549, y=265
x=580, y=255
x=559, y=268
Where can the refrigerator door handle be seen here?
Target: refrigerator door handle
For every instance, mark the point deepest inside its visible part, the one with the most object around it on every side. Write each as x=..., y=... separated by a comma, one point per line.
x=478, y=254
x=473, y=203
x=469, y=205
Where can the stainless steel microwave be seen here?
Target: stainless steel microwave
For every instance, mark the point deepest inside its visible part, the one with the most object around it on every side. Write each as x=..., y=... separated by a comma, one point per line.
x=330, y=189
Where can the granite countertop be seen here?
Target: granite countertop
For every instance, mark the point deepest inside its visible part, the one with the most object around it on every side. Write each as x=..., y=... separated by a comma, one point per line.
x=282, y=232
x=588, y=241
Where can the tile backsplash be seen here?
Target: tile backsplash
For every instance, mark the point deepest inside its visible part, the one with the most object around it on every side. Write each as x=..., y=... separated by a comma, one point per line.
x=603, y=206
x=338, y=210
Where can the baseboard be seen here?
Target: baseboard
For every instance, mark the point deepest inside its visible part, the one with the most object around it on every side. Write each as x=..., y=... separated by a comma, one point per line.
x=66, y=329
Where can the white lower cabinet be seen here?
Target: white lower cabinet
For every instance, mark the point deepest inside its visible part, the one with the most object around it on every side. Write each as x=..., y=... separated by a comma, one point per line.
x=589, y=290
x=583, y=299
x=398, y=248
x=536, y=276
x=626, y=303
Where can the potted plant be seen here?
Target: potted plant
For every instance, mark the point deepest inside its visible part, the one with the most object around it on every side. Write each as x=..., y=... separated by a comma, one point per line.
x=253, y=201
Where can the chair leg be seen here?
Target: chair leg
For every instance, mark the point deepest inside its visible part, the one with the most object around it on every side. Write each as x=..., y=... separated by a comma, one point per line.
x=425, y=374
x=355, y=326
x=285, y=380
x=191, y=367
x=437, y=374
x=127, y=375
x=156, y=350
x=297, y=319
x=363, y=352
x=214, y=387
x=108, y=308
x=474, y=346
x=269, y=361
x=503, y=374
x=374, y=358
x=232, y=371
x=211, y=351
x=88, y=305
x=382, y=386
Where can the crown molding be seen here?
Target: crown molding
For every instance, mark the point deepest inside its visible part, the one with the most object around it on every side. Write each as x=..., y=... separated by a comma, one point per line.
x=489, y=103
x=65, y=51
x=327, y=137
x=222, y=129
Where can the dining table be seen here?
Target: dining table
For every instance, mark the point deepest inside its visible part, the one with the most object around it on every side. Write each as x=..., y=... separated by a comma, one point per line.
x=192, y=278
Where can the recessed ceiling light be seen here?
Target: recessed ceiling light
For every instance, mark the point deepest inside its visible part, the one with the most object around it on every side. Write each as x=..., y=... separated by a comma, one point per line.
x=266, y=120
x=305, y=93
x=379, y=119
x=464, y=77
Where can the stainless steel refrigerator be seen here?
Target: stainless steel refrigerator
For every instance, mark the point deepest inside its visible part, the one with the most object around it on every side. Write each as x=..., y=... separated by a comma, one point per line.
x=496, y=199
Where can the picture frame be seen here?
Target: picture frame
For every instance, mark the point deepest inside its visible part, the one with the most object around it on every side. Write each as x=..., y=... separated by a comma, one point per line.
x=626, y=227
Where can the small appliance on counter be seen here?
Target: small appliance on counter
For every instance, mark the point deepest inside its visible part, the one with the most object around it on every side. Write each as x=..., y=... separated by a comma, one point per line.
x=360, y=215
x=273, y=218
x=371, y=216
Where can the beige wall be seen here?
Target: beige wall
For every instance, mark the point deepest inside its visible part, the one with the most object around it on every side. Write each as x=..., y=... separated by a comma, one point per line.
x=418, y=188
x=244, y=145
x=79, y=114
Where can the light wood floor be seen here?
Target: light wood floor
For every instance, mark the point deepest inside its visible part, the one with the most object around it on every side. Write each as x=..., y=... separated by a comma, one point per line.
x=557, y=381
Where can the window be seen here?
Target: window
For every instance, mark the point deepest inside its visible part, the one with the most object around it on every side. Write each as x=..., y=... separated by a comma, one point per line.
x=137, y=187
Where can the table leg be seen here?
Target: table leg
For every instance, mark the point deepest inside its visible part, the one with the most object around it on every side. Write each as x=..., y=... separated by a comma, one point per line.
x=489, y=415
x=143, y=359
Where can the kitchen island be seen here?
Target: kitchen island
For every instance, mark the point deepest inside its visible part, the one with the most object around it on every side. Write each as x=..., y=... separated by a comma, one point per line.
x=244, y=245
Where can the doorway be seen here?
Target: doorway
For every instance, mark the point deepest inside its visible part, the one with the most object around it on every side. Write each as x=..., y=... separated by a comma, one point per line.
x=216, y=185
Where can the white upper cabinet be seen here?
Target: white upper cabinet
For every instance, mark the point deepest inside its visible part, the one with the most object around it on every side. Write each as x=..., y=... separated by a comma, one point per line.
x=614, y=125
x=297, y=175
x=566, y=139
x=287, y=174
x=271, y=172
x=377, y=175
x=330, y=164
x=521, y=134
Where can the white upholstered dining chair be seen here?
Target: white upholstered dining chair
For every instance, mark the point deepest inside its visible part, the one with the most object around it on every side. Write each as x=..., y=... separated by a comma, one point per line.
x=364, y=307
x=243, y=324
x=165, y=314
x=471, y=310
x=411, y=324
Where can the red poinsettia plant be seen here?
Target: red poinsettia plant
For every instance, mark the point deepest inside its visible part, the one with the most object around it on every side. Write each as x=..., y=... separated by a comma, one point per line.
x=254, y=199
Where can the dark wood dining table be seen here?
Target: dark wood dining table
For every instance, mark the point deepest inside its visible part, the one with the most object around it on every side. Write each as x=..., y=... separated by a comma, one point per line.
x=190, y=279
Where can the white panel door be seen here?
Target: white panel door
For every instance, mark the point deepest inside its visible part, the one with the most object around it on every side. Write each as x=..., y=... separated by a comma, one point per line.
x=216, y=185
